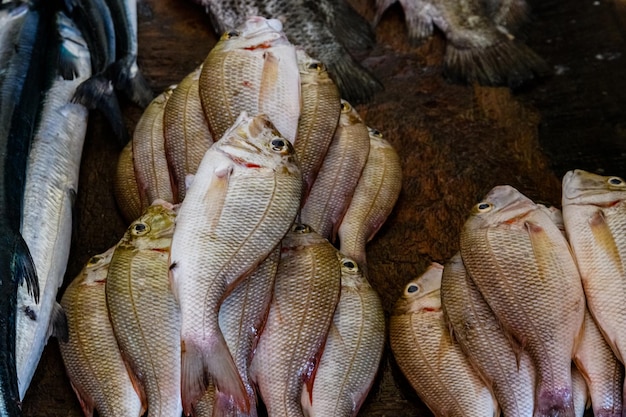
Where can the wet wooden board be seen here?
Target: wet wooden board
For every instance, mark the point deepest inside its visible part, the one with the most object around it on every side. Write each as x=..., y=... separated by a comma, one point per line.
x=456, y=142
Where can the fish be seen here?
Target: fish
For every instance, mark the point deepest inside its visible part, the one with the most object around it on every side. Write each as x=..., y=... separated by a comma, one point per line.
x=92, y=358
x=432, y=362
x=11, y=20
x=242, y=318
x=95, y=22
x=329, y=30
x=375, y=195
x=593, y=212
x=125, y=187
x=602, y=372
x=353, y=349
x=143, y=312
x=580, y=393
x=151, y=170
x=306, y=293
x=522, y=265
x=20, y=93
x=252, y=68
x=186, y=130
x=336, y=181
x=321, y=107
x=504, y=366
x=481, y=46
x=49, y=194
x=125, y=73
x=241, y=203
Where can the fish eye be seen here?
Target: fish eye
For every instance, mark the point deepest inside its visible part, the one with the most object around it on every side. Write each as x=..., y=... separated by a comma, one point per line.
x=345, y=107
x=94, y=260
x=231, y=34
x=279, y=145
x=349, y=264
x=615, y=181
x=412, y=288
x=484, y=207
x=301, y=228
x=317, y=66
x=139, y=229
x=375, y=132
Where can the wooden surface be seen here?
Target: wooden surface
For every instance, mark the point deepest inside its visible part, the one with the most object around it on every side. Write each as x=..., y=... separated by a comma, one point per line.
x=456, y=142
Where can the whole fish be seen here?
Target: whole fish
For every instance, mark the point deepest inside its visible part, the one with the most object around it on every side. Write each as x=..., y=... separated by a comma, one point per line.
x=241, y=318
x=125, y=186
x=594, y=212
x=522, y=265
x=20, y=93
x=479, y=47
x=126, y=74
x=336, y=181
x=603, y=373
x=143, y=312
x=240, y=204
x=252, y=68
x=500, y=361
x=49, y=194
x=352, y=351
x=375, y=195
x=321, y=107
x=153, y=177
x=327, y=29
x=433, y=363
x=92, y=358
x=186, y=130
x=306, y=293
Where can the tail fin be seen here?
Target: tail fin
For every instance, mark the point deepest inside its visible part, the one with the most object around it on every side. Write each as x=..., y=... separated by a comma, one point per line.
x=128, y=78
x=355, y=83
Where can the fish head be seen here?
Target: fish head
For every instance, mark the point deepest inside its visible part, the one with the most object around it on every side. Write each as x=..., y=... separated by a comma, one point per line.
x=351, y=274
x=423, y=293
x=154, y=229
x=310, y=68
x=502, y=205
x=585, y=188
x=97, y=267
x=254, y=142
x=349, y=116
x=256, y=33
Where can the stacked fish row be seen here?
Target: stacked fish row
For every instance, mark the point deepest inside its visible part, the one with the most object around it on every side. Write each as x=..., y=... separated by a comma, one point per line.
x=504, y=323
x=226, y=284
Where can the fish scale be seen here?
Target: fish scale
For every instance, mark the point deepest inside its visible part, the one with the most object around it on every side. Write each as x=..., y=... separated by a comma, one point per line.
x=306, y=292
x=352, y=351
x=125, y=186
x=92, y=358
x=523, y=267
x=144, y=314
x=426, y=353
x=240, y=204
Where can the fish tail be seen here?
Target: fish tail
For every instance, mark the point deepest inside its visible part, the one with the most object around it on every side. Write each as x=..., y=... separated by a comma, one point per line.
x=554, y=402
x=193, y=379
x=128, y=78
x=355, y=82
x=506, y=62
x=97, y=92
x=350, y=27
x=224, y=407
x=419, y=28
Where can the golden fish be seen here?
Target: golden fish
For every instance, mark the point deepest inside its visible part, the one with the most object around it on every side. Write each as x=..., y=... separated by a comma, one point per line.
x=143, y=312
x=332, y=190
x=522, y=265
x=240, y=204
x=125, y=186
x=594, y=212
x=375, y=195
x=305, y=296
x=429, y=358
x=153, y=177
x=321, y=107
x=352, y=351
x=253, y=69
x=186, y=132
x=502, y=364
x=91, y=355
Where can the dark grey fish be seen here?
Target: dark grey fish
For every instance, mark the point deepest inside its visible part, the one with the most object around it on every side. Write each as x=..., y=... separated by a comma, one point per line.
x=19, y=98
x=328, y=30
x=481, y=45
x=125, y=72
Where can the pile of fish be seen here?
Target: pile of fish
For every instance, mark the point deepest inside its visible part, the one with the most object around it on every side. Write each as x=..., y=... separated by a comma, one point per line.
x=528, y=317
x=47, y=59
x=228, y=288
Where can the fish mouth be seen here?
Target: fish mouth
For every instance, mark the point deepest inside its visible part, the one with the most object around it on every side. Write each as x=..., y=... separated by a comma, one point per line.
x=265, y=32
x=575, y=186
